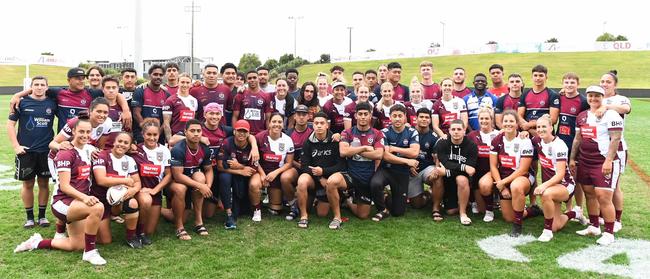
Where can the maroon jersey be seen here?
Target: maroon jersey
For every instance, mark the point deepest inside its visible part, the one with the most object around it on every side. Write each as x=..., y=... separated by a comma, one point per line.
x=299, y=139
x=172, y=89
x=382, y=116
x=181, y=109
x=510, y=152
x=538, y=103
x=551, y=153
x=484, y=143
x=152, y=164
x=400, y=93
x=431, y=92
x=115, y=167
x=461, y=93
x=77, y=162
x=335, y=113
x=70, y=104
x=216, y=138
x=252, y=107
x=220, y=95
x=350, y=110
x=506, y=102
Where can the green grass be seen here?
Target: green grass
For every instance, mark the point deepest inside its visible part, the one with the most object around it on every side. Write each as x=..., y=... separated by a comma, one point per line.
x=409, y=247
x=14, y=75
x=632, y=66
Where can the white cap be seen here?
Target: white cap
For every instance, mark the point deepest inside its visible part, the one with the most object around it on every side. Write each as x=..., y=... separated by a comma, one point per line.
x=595, y=89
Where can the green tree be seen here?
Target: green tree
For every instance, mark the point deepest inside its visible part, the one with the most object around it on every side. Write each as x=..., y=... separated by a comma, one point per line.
x=324, y=58
x=271, y=64
x=621, y=38
x=552, y=40
x=606, y=37
x=286, y=58
x=248, y=62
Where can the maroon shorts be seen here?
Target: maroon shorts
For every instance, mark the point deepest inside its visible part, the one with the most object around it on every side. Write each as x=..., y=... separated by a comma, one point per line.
x=593, y=175
x=60, y=208
x=157, y=199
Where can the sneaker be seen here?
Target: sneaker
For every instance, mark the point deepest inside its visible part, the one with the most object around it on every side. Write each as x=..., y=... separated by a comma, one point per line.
x=43, y=222
x=117, y=219
x=134, y=243
x=516, y=230
x=590, y=230
x=145, y=240
x=606, y=239
x=257, y=215
x=335, y=224
x=294, y=212
x=582, y=219
x=489, y=216
x=230, y=223
x=617, y=226
x=93, y=257
x=29, y=244
x=59, y=235
x=546, y=236
x=474, y=208
x=303, y=223
x=29, y=224
x=601, y=221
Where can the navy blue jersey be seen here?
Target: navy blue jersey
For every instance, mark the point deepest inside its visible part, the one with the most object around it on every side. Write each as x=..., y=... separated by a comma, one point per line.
x=191, y=160
x=403, y=139
x=569, y=110
x=427, y=149
x=71, y=103
x=361, y=167
x=35, y=122
x=229, y=150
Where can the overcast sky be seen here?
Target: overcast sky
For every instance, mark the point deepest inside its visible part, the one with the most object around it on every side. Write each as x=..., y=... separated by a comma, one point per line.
x=104, y=30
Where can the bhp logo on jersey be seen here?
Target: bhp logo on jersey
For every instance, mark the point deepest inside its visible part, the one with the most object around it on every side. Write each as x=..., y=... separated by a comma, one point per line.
x=63, y=164
x=617, y=123
x=527, y=152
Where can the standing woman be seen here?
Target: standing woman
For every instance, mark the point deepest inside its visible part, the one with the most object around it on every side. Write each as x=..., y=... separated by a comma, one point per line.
x=179, y=108
x=447, y=109
x=595, y=161
x=381, y=110
x=72, y=201
x=510, y=160
x=112, y=168
x=483, y=139
x=308, y=98
x=363, y=95
x=416, y=102
x=557, y=183
x=323, y=90
x=282, y=102
x=155, y=174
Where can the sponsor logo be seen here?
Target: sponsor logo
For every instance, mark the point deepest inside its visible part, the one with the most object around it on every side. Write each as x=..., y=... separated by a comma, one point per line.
x=61, y=164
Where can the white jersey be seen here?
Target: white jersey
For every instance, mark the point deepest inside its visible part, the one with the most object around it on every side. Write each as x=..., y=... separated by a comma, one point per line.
x=117, y=167
x=510, y=152
x=323, y=100
x=619, y=100
x=424, y=104
x=159, y=158
x=595, y=133
x=96, y=133
x=549, y=155
x=274, y=152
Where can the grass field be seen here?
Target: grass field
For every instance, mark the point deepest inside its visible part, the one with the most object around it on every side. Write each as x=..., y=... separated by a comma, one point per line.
x=408, y=247
x=13, y=75
x=632, y=66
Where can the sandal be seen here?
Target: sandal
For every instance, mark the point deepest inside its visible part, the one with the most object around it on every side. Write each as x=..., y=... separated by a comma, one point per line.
x=201, y=230
x=466, y=221
x=303, y=223
x=381, y=216
x=437, y=216
x=182, y=234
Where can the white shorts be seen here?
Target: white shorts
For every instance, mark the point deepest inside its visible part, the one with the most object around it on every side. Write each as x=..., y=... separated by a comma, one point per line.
x=416, y=183
x=622, y=156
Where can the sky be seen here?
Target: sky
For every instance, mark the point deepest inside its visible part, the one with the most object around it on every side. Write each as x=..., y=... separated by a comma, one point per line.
x=82, y=30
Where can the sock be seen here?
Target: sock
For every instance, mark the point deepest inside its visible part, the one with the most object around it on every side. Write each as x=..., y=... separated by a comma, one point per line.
x=609, y=227
x=30, y=213
x=45, y=244
x=519, y=216
x=41, y=211
x=571, y=214
x=139, y=229
x=593, y=219
x=548, y=224
x=130, y=234
x=618, y=215
x=60, y=228
x=90, y=242
x=489, y=206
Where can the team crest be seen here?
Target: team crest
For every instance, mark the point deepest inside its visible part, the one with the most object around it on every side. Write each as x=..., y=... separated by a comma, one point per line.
x=83, y=101
x=405, y=142
x=48, y=110
x=260, y=102
x=541, y=103
x=516, y=148
x=192, y=103
x=370, y=140
x=125, y=165
x=281, y=146
x=100, y=129
x=426, y=145
x=550, y=150
x=221, y=96
x=455, y=105
x=159, y=156
x=573, y=110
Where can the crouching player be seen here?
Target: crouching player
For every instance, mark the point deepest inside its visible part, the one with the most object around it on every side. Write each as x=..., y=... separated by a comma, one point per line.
x=72, y=201
x=320, y=160
x=425, y=171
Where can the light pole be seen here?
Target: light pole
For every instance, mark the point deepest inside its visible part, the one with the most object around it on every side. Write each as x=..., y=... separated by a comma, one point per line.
x=295, y=28
x=443, y=33
x=604, y=25
x=192, y=9
x=350, y=40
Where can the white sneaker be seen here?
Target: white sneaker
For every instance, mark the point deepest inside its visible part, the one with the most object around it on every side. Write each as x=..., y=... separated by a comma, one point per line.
x=257, y=215
x=489, y=216
x=591, y=230
x=546, y=236
x=582, y=219
x=474, y=208
x=617, y=226
x=606, y=239
x=601, y=221
x=60, y=235
x=30, y=244
x=93, y=257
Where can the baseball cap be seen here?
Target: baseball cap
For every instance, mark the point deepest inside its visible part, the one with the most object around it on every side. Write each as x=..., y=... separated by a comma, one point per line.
x=338, y=83
x=76, y=72
x=242, y=124
x=595, y=89
x=213, y=107
x=302, y=108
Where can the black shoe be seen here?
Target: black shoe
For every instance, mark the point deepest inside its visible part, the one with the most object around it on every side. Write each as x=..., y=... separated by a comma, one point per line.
x=534, y=211
x=230, y=223
x=516, y=230
x=134, y=243
x=145, y=240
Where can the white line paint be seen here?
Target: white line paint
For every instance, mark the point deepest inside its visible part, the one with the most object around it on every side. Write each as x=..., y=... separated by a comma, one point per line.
x=593, y=259
x=504, y=247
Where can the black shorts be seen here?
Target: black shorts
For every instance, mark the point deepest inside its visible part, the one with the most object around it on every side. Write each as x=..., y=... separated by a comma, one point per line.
x=361, y=189
x=30, y=165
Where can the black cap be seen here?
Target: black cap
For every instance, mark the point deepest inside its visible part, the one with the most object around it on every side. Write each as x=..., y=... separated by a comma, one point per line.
x=76, y=72
x=302, y=108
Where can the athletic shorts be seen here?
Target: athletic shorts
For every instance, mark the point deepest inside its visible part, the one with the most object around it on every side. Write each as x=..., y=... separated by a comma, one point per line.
x=60, y=208
x=30, y=165
x=593, y=175
x=416, y=183
x=531, y=179
x=361, y=189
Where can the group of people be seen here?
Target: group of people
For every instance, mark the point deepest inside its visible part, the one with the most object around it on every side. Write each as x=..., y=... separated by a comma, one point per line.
x=181, y=146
